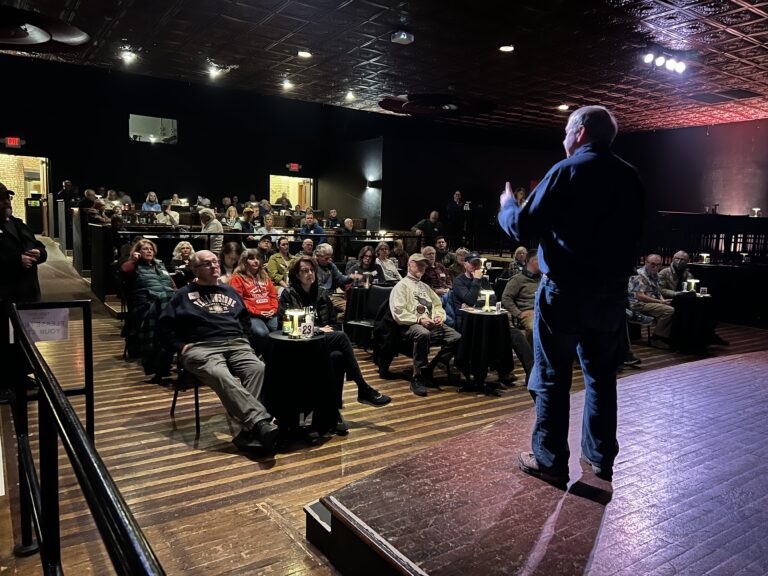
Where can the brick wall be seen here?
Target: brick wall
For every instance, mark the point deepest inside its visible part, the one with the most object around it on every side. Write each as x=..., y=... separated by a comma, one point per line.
x=12, y=175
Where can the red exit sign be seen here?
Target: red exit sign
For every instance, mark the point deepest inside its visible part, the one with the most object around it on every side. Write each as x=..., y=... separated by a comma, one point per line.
x=13, y=142
x=293, y=166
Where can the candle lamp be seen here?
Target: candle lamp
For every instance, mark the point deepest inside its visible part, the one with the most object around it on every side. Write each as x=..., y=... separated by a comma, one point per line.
x=295, y=314
x=704, y=257
x=744, y=257
x=690, y=285
x=756, y=213
x=487, y=294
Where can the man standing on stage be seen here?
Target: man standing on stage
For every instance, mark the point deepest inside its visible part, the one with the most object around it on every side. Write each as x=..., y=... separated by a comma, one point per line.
x=591, y=199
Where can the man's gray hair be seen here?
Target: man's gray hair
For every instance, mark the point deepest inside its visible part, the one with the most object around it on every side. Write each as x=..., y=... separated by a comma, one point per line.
x=599, y=123
x=324, y=250
x=207, y=212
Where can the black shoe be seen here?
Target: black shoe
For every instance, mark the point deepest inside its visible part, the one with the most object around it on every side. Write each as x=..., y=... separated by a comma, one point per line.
x=632, y=360
x=604, y=473
x=718, y=340
x=418, y=386
x=660, y=343
x=526, y=461
x=342, y=428
x=267, y=433
x=247, y=440
x=368, y=395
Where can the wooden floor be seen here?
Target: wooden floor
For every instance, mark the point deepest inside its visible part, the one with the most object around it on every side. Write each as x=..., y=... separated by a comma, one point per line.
x=207, y=509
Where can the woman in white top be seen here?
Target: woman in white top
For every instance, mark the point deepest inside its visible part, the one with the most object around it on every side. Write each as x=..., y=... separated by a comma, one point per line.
x=387, y=267
x=231, y=217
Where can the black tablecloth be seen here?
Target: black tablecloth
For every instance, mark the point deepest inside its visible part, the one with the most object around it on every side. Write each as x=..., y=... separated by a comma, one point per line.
x=693, y=325
x=298, y=379
x=485, y=343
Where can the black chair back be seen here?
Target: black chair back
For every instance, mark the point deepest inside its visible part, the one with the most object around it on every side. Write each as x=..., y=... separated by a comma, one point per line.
x=378, y=295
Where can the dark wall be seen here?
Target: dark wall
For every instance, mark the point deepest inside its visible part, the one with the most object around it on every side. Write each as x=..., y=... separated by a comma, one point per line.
x=343, y=183
x=690, y=168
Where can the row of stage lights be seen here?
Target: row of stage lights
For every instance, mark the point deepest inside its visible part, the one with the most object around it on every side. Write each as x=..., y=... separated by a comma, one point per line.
x=659, y=60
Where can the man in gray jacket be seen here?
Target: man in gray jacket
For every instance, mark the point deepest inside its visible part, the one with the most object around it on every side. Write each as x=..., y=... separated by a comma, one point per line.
x=520, y=294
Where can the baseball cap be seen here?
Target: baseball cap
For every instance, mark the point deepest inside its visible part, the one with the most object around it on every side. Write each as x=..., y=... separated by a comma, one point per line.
x=266, y=237
x=473, y=257
x=417, y=257
x=5, y=192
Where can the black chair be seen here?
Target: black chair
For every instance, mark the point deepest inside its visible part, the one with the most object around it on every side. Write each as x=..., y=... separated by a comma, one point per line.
x=376, y=298
x=184, y=382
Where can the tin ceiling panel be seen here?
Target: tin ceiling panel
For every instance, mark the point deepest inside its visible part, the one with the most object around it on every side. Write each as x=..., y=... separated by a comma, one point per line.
x=566, y=52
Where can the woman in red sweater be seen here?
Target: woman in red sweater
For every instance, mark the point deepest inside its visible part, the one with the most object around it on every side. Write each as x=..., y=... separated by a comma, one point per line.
x=251, y=282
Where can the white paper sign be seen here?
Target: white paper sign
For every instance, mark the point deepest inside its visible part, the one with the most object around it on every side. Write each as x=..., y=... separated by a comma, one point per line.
x=44, y=325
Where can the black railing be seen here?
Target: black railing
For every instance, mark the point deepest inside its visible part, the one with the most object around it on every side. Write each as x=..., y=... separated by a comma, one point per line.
x=128, y=549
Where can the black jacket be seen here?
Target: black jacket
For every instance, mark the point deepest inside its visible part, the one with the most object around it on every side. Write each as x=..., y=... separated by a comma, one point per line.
x=18, y=284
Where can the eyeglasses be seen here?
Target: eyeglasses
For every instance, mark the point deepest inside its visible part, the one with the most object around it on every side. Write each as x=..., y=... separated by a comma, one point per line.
x=306, y=271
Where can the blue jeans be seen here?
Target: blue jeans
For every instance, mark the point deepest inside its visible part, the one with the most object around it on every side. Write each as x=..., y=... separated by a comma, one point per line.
x=589, y=323
x=260, y=329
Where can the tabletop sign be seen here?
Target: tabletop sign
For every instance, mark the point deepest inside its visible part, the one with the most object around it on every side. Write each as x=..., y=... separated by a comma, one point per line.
x=41, y=325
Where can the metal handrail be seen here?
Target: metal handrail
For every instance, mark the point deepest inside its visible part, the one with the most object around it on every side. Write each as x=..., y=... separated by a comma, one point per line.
x=124, y=540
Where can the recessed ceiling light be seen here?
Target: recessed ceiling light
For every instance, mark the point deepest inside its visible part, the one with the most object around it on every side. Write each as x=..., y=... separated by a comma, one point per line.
x=350, y=96
x=304, y=54
x=660, y=61
x=128, y=56
x=563, y=107
x=507, y=48
x=214, y=71
x=648, y=58
x=680, y=67
x=287, y=84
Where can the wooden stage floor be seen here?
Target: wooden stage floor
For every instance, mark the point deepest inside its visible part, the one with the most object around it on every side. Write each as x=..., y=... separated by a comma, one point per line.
x=207, y=509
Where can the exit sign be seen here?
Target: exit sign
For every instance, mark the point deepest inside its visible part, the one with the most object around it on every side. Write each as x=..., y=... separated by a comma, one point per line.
x=13, y=142
x=293, y=166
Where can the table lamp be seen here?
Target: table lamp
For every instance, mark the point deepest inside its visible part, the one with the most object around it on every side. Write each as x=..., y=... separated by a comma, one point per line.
x=295, y=314
x=744, y=257
x=487, y=294
x=691, y=285
x=756, y=213
x=704, y=257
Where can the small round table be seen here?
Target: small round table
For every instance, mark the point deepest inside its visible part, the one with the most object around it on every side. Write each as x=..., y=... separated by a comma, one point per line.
x=298, y=380
x=485, y=343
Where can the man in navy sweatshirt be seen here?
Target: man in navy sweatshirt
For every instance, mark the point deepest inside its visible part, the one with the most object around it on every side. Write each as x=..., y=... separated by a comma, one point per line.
x=210, y=326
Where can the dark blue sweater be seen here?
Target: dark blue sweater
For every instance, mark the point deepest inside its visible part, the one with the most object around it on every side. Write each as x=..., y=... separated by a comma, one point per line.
x=204, y=314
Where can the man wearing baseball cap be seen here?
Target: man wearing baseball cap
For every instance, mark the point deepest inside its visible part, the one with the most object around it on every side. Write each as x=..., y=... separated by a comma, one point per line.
x=418, y=311
x=20, y=254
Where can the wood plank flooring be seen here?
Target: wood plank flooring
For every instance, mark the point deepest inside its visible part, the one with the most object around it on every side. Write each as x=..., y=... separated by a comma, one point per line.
x=207, y=509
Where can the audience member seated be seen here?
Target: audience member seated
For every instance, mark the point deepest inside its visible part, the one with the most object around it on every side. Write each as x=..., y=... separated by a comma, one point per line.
x=230, y=217
x=228, y=260
x=125, y=198
x=210, y=327
x=245, y=224
x=112, y=200
x=88, y=200
x=148, y=288
x=386, y=266
x=442, y=254
x=166, y=215
x=457, y=268
x=312, y=228
x=210, y=224
x=268, y=228
x=330, y=278
x=259, y=295
x=265, y=207
x=304, y=291
x=307, y=248
x=429, y=228
x=418, y=311
x=645, y=297
x=399, y=254
x=520, y=294
x=121, y=243
x=519, y=259
x=151, y=204
x=98, y=214
x=467, y=286
x=265, y=247
x=672, y=280
x=435, y=275
x=279, y=263
x=364, y=264
x=175, y=200
x=182, y=254
x=347, y=233
x=333, y=220
x=283, y=202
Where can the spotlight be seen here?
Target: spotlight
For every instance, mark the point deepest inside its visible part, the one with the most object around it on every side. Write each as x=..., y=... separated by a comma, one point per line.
x=128, y=56
x=563, y=107
x=648, y=58
x=680, y=67
x=670, y=64
x=350, y=96
x=287, y=84
x=214, y=70
x=660, y=61
x=507, y=48
x=304, y=54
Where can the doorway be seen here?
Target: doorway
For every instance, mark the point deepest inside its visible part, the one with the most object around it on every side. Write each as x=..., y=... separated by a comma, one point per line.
x=27, y=176
x=299, y=190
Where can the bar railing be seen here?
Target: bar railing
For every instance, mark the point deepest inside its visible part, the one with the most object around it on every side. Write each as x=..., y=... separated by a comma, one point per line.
x=123, y=539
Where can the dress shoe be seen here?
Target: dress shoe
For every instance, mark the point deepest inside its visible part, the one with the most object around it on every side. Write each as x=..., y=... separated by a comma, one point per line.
x=418, y=386
x=526, y=461
x=267, y=433
x=369, y=395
